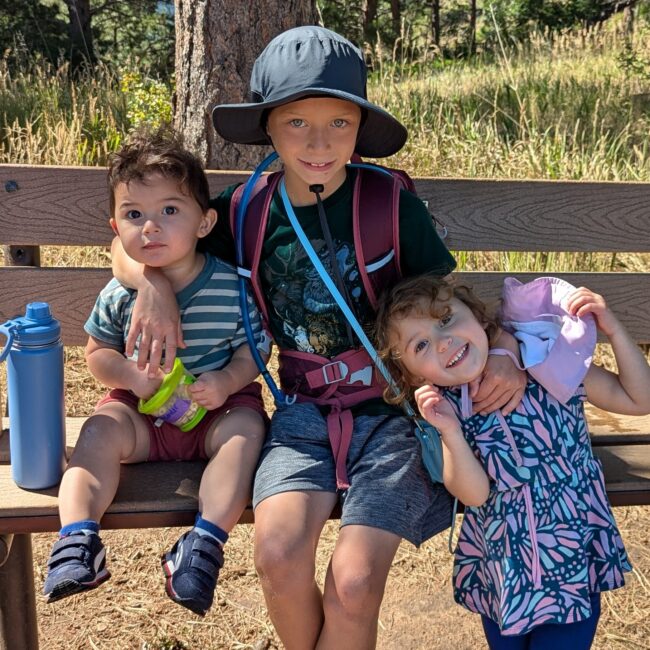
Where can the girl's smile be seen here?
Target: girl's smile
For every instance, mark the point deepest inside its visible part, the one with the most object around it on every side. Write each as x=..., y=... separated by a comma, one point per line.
x=459, y=357
x=446, y=351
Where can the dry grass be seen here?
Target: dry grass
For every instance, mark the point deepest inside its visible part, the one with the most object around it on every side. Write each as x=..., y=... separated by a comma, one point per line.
x=131, y=610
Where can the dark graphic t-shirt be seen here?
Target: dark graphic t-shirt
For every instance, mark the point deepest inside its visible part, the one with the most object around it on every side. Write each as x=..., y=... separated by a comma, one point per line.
x=302, y=314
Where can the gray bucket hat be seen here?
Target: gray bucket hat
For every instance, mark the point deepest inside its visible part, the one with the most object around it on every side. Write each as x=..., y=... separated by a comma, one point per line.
x=309, y=62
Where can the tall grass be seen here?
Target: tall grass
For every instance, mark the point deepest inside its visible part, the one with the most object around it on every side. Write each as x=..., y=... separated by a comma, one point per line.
x=556, y=109
x=49, y=117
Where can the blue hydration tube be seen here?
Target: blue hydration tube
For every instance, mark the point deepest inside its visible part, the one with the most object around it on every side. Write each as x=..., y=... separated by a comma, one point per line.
x=427, y=435
x=279, y=396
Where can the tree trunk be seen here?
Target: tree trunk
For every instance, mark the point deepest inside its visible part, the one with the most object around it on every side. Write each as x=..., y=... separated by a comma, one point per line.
x=217, y=42
x=369, y=17
x=472, y=28
x=435, y=23
x=396, y=17
x=628, y=24
x=80, y=33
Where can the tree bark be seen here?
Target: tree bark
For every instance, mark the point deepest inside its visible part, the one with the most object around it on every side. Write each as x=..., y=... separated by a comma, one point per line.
x=369, y=18
x=80, y=33
x=435, y=23
x=217, y=42
x=472, y=28
x=628, y=24
x=396, y=17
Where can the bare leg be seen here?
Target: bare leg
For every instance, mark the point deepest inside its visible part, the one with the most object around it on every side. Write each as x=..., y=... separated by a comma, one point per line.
x=114, y=434
x=287, y=528
x=234, y=444
x=354, y=587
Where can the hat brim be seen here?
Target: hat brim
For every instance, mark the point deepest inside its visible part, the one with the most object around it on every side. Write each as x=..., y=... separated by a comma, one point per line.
x=380, y=135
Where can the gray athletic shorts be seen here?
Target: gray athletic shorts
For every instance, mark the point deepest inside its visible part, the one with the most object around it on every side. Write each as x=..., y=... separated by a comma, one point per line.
x=389, y=487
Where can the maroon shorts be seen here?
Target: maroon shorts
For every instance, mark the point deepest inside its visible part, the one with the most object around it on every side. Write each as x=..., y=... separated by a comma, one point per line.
x=168, y=442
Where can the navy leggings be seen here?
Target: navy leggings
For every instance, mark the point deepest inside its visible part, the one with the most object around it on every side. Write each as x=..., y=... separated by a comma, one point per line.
x=570, y=636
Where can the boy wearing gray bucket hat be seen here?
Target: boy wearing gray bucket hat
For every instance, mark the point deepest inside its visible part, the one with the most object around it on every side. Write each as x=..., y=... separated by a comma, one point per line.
x=308, y=99
x=309, y=62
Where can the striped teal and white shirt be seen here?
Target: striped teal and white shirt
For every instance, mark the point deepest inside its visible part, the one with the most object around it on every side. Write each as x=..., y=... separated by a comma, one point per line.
x=210, y=317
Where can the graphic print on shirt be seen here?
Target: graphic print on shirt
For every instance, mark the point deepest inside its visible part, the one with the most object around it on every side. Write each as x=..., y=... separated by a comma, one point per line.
x=305, y=316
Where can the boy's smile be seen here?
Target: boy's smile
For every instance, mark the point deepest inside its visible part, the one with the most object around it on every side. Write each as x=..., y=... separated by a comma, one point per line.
x=159, y=225
x=446, y=351
x=315, y=139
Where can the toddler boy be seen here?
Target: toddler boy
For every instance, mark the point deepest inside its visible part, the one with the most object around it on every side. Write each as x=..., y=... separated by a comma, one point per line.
x=159, y=210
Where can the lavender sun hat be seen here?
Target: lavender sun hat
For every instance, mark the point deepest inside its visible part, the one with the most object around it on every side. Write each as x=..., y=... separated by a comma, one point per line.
x=306, y=62
x=556, y=347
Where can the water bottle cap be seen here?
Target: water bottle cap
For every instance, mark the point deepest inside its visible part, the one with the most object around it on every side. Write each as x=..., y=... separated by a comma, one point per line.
x=38, y=311
x=37, y=326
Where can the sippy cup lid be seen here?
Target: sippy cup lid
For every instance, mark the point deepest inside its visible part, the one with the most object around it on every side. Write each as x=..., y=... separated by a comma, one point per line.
x=165, y=391
x=171, y=408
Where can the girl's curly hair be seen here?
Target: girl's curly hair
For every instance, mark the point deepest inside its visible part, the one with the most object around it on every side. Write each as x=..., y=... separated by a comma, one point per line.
x=423, y=295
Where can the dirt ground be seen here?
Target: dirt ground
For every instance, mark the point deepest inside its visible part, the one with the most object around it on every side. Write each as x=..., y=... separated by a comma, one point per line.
x=131, y=610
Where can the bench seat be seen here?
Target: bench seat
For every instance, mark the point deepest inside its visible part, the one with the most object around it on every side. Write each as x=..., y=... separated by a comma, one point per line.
x=165, y=494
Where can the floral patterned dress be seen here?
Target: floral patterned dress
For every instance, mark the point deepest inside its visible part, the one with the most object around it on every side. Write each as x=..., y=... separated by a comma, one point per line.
x=546, y=538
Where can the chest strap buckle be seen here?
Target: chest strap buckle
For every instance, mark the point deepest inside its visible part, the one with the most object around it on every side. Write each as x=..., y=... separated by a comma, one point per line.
x=334, y=372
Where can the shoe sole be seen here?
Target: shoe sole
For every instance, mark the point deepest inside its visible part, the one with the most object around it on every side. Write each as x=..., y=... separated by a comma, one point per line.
x=71, y=587
x=168, y=570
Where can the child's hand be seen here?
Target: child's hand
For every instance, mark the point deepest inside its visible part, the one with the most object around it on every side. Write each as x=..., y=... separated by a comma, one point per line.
x=436, y=410
x=141, y=384
x=584, y=301
x=502, y=384
x=155, y=320
x=211, y=389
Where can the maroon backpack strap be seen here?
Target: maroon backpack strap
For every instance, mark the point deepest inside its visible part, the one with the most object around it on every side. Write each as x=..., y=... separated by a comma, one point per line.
x=257, y=215
x=375, y=220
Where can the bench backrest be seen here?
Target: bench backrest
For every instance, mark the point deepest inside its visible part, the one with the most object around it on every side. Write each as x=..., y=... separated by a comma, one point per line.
x=68, y=206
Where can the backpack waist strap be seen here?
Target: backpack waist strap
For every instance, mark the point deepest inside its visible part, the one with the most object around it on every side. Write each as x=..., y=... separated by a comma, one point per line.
x=347, y=379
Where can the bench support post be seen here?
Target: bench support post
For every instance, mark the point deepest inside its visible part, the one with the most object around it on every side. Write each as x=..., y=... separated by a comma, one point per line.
x=18, y=627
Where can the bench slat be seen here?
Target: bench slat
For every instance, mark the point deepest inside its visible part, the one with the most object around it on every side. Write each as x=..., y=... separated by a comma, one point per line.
x=488, y=215
x=496, y=215
x=149, y=495
x=71, y=204
x=72, y=293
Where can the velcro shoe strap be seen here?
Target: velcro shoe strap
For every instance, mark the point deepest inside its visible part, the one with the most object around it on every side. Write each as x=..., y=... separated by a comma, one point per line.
x=72, y=540
x=66, y=554
x=207, y=550
x=203, y=562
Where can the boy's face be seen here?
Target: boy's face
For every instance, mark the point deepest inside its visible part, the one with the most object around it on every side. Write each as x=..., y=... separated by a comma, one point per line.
x=315, y=138
x=446, y=351
x=158, y=223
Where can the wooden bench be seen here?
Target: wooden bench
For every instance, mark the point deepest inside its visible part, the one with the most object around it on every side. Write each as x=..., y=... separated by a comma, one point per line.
x=68, y=206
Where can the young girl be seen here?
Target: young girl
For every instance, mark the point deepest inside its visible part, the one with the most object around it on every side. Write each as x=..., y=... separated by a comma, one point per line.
x=308, y=90
x=538, y=542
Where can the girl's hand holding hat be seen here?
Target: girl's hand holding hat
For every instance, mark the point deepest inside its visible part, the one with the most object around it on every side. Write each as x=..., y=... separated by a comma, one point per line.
x=583, y=301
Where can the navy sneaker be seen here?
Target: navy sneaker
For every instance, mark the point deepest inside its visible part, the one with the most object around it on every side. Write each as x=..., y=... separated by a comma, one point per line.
x=192, y=568
x=77, y=563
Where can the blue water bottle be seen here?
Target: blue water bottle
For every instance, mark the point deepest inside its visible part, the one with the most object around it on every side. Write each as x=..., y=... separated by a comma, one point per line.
x=34, y=354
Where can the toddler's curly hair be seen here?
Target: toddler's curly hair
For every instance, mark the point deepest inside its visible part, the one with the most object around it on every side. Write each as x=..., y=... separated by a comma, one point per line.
x=422, y=295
